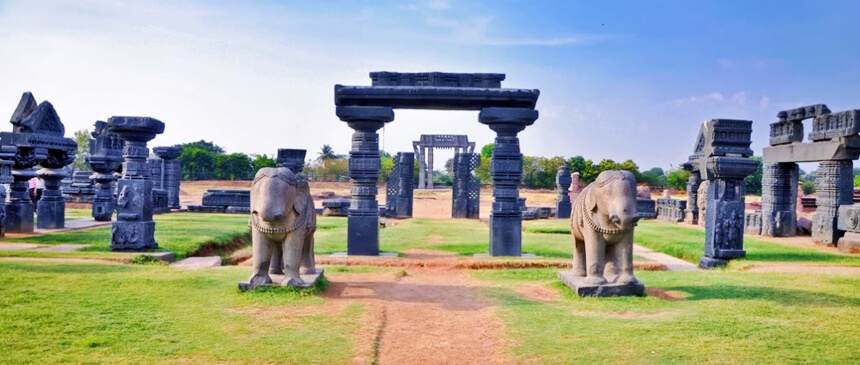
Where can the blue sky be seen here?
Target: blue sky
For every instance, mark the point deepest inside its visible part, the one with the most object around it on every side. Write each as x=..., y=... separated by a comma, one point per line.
x=618, y=79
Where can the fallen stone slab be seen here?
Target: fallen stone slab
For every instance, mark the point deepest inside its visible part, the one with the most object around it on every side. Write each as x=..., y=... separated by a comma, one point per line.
x=583, y=289
x=196, y=263
x=18, y=246
x=66, y=247
x=309, y=279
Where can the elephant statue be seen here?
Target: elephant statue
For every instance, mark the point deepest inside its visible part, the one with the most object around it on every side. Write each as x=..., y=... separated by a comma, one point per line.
x=602, y=222
x=283, y=221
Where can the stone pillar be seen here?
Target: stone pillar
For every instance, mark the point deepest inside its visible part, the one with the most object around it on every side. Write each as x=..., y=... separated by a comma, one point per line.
x=692, y=212
x=19, y=211
x=562, y=183
x=51, y=211
x=834, y=183
x=103, y=203
x=398, y=199
x=724, y=229
x=779, y=199
x=134, y=229
x=422, y=167
x=430, y=168
x=507, y=172
x=702, y=202
x=293, y=159
x=364, y=164
x=171, y=173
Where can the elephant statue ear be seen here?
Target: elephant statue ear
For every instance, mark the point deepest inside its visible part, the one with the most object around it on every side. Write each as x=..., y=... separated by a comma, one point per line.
x=303, y=191
x=591, y=201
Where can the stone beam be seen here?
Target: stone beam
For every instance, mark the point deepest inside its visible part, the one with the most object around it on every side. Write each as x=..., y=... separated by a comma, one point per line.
x=432, y=97
x=842, y=148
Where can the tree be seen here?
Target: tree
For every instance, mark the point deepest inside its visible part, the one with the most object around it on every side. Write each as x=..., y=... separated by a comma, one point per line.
x=234, y=166
x=677, y=179
x=261, y=161
x=204, y=145
x=197, y=163
x=487, y=150
x=82, y=137
x=327, y=153
x=655, y=177
x=386, y=165
x=753, y=181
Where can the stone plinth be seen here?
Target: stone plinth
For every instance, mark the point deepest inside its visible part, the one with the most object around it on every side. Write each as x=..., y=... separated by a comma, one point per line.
x=467, y=188
x=309, y=281
x=335, y=207
x=691, y=213
x=610, y=289
x=671, y=210
x=752, y=223
x=19, y=211
x=134, y=229
x=562, y=184
x=507, y=170
x=646, y=208
x=364, y=165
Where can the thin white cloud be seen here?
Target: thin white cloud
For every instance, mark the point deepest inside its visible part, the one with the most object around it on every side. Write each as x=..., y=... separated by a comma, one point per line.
x=439, y=4
x=476, y=31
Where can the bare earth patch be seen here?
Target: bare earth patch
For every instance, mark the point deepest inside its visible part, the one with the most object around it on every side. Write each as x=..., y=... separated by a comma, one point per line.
x=666, y=294
x=538, y=292
x=794, y=268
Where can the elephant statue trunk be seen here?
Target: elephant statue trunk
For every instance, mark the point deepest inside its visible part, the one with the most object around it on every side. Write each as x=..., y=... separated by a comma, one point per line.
x=283, y=222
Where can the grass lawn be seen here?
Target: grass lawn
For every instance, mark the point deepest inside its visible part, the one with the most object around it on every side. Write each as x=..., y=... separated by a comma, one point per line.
x=89, y=313
x=689, y=243
x=727, y=317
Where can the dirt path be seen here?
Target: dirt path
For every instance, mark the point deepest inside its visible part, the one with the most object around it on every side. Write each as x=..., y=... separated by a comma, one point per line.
x=792, y=268
x=432, y=315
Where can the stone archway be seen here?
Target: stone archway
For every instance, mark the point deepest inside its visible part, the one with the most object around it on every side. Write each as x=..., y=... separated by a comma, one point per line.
x=366, y=109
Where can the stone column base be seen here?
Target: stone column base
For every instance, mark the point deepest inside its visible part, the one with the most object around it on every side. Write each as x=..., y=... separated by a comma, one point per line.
x=506, y=236
x=363, y=235
x=610, y=289
x=710, y=263
x=51, y=213
x=133, y=236
x=849, y=243
x=562, y=210
x=19, y=217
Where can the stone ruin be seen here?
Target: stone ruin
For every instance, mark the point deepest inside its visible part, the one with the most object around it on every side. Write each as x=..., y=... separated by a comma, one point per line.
x=670, y=210
x=105, y=160
x=224, y=201
x=134, y=229
x=466, y=202
x=79, y=188
x=424, y=152
x=366, y=109
x=646, y=208
x=36, y=139
x=834, y=144
x=720, y=157
x=335, y=207
x=562, y=184
x=398, y=190
x=166, y=173
x=293, y=159
x=752, y=223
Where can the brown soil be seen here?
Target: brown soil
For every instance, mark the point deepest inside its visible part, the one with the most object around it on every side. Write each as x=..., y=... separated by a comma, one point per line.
x=433, y=315
x=538, y=292
x=70, y=260
x=792, y=268
x=666, y=294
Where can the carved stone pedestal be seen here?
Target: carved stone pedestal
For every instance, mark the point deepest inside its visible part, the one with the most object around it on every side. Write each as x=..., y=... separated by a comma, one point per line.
x=51, y=209
x=610, y=289
x=19, y=211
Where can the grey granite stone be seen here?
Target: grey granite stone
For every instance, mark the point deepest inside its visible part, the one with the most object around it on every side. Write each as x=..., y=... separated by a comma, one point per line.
x=399, y=188
x=646, y=208
x=610, y=289
x=197, y=263
x=752, y=223
x=466, y=202
x=309, y=281
x=424, y=147
x=562, y=184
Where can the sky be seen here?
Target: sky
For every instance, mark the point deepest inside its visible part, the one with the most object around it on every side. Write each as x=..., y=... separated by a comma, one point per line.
x=617, y=79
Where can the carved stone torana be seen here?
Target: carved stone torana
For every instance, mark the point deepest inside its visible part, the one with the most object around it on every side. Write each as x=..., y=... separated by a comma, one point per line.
x=562, y=184
x=170, y=173
x=692, y=210
x=364, y=164
x=602, y=224
x=36, y=139
x=134, y=229
x=105, y=159
x=466, y=201
x=721, y=158
x=424, y=151
x=507, y=172
x=506, y=111
x=398, y=199
x=293, y=159
x=778, y=185
x=283, y=222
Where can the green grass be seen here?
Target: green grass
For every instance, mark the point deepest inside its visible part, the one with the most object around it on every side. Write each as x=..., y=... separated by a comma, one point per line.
x=727, y=317
x=689, y=243
x=86, y=313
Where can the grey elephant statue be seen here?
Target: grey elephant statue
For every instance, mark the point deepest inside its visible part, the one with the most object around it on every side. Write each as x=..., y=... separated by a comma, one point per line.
x=283, y=222
x=602, y=222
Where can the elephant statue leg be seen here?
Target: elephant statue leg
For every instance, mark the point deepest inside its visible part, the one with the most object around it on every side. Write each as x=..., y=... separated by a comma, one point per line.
x=578, y=257
x=292, y=247
x=277, y=266
x=308, y=266
x=595, y=252
x=610, y=266
x=262, y=256
x=624, y=259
